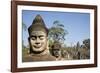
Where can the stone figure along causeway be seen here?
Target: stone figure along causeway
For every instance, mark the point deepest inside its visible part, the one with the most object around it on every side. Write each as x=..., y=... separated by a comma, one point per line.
x=38, y=33
x=56, y=50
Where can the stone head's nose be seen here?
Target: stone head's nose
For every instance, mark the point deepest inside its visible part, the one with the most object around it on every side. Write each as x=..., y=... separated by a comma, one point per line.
x=37, y=43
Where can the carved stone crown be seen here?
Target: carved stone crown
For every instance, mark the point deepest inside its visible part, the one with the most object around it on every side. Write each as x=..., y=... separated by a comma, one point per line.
x=38, y=25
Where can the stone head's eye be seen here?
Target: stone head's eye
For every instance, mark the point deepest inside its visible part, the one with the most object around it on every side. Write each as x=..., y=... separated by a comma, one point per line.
x=41, y=37
x=33, y=37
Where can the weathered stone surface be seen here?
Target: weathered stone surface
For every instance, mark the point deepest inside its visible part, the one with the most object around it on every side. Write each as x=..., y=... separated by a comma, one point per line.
x=38, y=42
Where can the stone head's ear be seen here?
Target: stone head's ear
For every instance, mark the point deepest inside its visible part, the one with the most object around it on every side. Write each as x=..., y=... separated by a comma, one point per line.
x=29, y=40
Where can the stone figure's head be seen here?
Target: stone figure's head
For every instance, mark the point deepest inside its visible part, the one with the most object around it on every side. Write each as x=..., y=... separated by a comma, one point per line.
x=56, y=49
x=64, y=53
x=38, y=35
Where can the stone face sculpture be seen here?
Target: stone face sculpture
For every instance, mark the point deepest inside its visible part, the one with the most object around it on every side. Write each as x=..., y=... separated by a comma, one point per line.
x=56, y=51
x=66, y=55
x=38, y=41
x=37, y=35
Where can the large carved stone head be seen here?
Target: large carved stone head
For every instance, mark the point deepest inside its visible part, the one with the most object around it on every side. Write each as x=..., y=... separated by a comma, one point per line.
x=38, y=35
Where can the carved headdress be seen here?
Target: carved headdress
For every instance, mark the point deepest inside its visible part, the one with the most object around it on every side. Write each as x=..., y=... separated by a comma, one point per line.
x=38, y=25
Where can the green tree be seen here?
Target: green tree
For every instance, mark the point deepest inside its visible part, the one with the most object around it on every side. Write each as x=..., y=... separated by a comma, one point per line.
x=85, y=49
x=86, y=43
x=57, y=32
x=24, y=27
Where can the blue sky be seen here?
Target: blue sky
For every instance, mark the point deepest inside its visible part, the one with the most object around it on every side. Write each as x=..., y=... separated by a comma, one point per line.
x=77, y=24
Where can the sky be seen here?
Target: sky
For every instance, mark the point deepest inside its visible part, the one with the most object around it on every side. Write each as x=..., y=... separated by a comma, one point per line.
x=77, y=24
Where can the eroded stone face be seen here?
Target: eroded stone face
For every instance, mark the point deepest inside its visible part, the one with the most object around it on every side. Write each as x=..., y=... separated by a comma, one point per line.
x=56, y=53
x=38, y=41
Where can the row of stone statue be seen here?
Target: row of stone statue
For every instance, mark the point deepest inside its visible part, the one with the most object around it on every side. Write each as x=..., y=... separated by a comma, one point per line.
x=39, y=50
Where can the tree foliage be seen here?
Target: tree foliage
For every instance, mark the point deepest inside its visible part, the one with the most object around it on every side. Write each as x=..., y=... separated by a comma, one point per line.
x=78, y=45
x=86, y=43
x=24, y=29
x=57, y=31
x=24, y=26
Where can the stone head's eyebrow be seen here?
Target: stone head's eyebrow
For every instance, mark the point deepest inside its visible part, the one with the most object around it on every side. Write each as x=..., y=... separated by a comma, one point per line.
x=41, y=35
x=33, y=36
